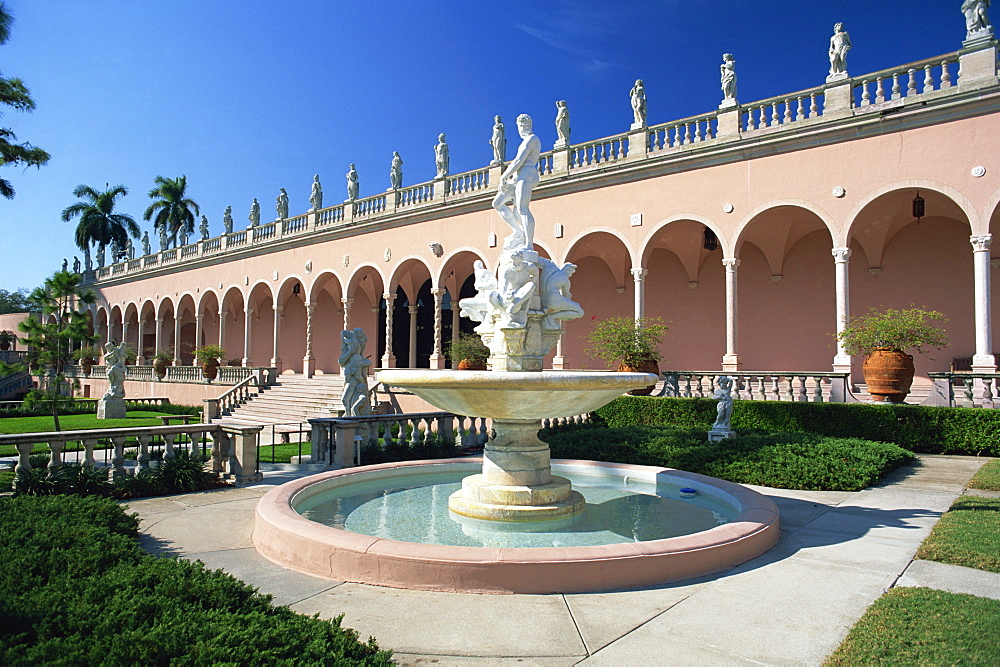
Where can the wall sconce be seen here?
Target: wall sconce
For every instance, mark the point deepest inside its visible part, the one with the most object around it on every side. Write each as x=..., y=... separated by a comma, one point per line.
x=297, y=289
x=437, y=249
x=918, y=206
x=711, y=241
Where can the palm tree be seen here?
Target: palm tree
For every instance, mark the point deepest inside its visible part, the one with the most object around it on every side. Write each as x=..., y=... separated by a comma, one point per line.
x=172, y=210
x=99, y=224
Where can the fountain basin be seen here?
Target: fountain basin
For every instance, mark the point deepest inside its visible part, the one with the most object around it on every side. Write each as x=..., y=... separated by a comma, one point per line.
x=290, y=540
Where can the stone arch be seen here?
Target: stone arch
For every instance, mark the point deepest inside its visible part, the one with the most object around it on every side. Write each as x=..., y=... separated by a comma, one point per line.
x=326, y=293
x=655, y=230
x=367, y=307
x=147, y=341
x=187, y=320
x=291, y=298
x=232, y=324
x=208, y=311
x=413, y=313
x=260, y=313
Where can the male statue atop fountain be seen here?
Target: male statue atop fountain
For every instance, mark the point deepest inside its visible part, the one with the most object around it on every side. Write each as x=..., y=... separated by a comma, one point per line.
x=516, y=183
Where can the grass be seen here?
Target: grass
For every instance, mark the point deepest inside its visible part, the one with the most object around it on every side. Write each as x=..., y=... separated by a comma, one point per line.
x=13, y=425
x=6, y=481
x=923, y=626
x=988, y=477
x=968, y=534
x=282, y=453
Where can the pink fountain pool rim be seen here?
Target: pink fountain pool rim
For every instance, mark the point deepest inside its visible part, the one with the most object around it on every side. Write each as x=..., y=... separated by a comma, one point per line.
x=288, y=539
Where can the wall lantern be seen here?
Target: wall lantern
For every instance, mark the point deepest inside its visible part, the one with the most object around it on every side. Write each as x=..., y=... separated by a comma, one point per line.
x=297, y=289
x=711, y=241
x=918, y=206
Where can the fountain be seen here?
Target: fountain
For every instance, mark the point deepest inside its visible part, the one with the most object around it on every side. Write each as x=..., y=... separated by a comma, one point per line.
x=520, y=309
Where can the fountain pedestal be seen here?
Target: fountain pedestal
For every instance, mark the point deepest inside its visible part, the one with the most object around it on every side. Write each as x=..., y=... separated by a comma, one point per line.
x=517, y=482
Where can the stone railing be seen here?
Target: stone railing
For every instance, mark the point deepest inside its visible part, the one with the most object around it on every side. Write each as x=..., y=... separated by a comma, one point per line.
x=804, y=386
x=184, y=374
x=928, y=80
x=12, y=356
x=239, y=394
x=233, y=448
x=15, y=383
x=338, y=440
x=964, y=390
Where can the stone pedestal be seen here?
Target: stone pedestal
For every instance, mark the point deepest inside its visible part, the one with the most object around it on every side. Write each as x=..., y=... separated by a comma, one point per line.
x=111, y=408
x=715, y=435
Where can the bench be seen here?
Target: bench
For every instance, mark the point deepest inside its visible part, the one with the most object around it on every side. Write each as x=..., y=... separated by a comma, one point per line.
x=166, y=419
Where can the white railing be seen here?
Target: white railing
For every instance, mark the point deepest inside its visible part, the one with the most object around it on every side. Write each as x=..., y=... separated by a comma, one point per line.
x=964, y=389
x=186, y=374
x=415, y=194
x=369, y=206
x=150, y=260
x=545, y=163
x=190, y=251
x=598, y=152
x=168, y=256
x=263, y=232
x=134, y=264
x=472, y=181
x=683, y=132
x=912, y=80
x=299, y=223
x=330, y=216
x=236, y=239
x=239, y=394
x=782, y=110
x=210, y=246
x=801, y=386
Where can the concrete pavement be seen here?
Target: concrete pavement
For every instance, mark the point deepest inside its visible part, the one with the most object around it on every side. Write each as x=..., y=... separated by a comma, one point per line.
x=839, y=552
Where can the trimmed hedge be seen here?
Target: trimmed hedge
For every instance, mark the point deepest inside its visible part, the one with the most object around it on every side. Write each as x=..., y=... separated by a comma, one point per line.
x=969, y=431
x=777, y=460
x=78, y=588
x=91, y=407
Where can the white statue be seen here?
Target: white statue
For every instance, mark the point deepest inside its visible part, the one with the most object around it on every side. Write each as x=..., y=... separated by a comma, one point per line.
x=840, y=44
x=281, y=204
x=76, y=264
x=722, y=428
x=396, y=172
x=254, y=213
x=130, y=249
x=728, y=76
x=557, y=301
x=88, y=264
x=477, y=308
x=114, y=360
x=977, y=20
x=100, y=256
x=441, y=157
x=227, y=220
x=203, y=228
x=517, y=283
x=354, y=367
x=115, y=252
x=164, y=240
x=352, y=183
x=498, y=141
x=516, y=184
x=562, y=124
x=146, y=250
x=184, y=235
x=316, y=194
x=638, y=98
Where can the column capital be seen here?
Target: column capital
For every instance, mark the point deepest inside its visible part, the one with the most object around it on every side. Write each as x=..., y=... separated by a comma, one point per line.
x=438, y=291
x=310, y=305
x=278, y=309
x=347, y=300
x=639, y=274
x=389, y=297
x=841, y=254
x=413, y=309
x=981, y=243
x=731, y=263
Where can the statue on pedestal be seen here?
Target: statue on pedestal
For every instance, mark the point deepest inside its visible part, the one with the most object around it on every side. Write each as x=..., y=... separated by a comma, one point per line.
x=441, y=157
x=203, y=228
x=88, y=264
x=352, y=183
x=516, y=184
x=183, y=234
x=65, y=265
x=396, y=172
x=100, y=256
x=316, y=195
x=130, y=249
x=977, y=20
x=354, y=367
x=840, y=44
x=254, y=213
x=281, y=204
x=145, y=243
x=727, y=72
x=227, y=220
x=164, y=241
x=722, y=427
x=112, y=404
x=498, y=141
x=562, y=124
x=76, y=264
x=638, y=98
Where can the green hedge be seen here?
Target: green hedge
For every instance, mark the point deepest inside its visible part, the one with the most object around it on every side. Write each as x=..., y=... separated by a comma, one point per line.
x=90, y=407
x=79, y=589
x=920, y=429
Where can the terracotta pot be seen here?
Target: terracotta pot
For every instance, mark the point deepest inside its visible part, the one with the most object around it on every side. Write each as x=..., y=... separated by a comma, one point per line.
x=466, y=365
x=644, y=367
x=160, y=368
x=87, y=365
x=210, y=369
x=888, y=374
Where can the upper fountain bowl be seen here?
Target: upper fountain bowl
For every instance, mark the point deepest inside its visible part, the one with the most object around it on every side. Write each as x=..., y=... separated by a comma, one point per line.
x=516, y=395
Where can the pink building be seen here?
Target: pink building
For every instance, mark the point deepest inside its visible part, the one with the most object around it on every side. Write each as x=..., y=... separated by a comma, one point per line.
x=752, y=230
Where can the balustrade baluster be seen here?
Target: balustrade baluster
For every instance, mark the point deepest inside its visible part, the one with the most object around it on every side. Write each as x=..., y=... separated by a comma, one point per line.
x=879, y=90
x=968, y=393
x=118, y=459
x=813, y=107
x=911, y=84
x=987, y=393
x=928, y=79
x=818, y=390
x=484, y=432
x=414, y=431
x=142, y=460
x=945, y=75
x=895, y=86
x=749, y=120
x=761, y=117
x=687, y=387
x=789, y=390
x=788, y=111
x=88, y=453
x=55, y=455
x=775, y=391
x=866, y=97
x=688, y=134
x=803, y=396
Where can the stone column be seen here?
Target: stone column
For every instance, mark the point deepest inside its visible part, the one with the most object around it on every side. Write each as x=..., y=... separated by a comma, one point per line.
x=159, y=335
x=140, y=357
x=275, y=359
x=456, y=320
x=731, y=360
x=347, y=301
x=246, y=337
x=639, y=276
x=413, y=334
x=222, y=328
x=124, y=329
x=841, y=257
x=309, y=359
x=177, y=339
x=388, y=359
x=983, y=361
x=437, y=357
x=198, y=319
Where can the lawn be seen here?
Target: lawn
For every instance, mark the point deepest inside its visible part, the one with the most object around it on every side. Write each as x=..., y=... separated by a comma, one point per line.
x=920, y=626
x=968, y=534
x=13, y=425
x=988, y=477
x=282, y=453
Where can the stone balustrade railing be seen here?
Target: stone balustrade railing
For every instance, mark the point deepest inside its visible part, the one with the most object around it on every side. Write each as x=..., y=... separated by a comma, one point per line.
x=237, y=395
x=798, y=386
x=12, y=356
x=338, y=440
x=15, y=383
x=927, y=79
x=965, y=390
x=185, y=374
x=233, y=448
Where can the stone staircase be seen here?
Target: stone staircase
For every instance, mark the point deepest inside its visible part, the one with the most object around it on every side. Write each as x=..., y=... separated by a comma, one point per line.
x=293, y=400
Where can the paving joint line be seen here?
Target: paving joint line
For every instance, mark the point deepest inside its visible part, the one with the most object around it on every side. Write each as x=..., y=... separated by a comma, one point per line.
x=579, y=633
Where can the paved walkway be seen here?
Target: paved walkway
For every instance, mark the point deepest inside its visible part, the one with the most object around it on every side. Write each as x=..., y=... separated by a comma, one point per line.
x=839, y=551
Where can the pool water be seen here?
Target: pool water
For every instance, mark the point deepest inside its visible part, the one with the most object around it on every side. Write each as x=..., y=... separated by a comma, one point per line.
x=414, y=508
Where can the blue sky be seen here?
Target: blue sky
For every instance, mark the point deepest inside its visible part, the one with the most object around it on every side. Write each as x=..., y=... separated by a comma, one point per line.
x=246, y=97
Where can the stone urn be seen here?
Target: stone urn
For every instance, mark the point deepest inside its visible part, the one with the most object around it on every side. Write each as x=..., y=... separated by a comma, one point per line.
x=467, y=365
x=210, y=369
x=888, y=374
x=642, y=367
x=160, y=368
x=87, y=365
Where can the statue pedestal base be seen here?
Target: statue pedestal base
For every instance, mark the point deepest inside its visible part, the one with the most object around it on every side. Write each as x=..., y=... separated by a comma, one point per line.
x=111, y=408
x=717, y=435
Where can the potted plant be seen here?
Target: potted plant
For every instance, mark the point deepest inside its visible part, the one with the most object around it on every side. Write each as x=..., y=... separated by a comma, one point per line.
x=883, y=336
x=631, y=344
x=87, y=356
x=468, y=353
x=161, y=359
x=6, y=338
x=208, y=356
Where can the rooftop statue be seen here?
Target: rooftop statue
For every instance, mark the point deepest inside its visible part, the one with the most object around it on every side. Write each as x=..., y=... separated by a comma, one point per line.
x=977, y=20
x=100, y=256
x=396, y=172
x=281, y=204
x=254, y=213
x=638, y=98
x=727, y=72
x=183, y=235
x=146, y=249
x=129, y=249
x=840, y=44
x=76, y=264
x=88, y=264
x=498, y=141
x=316, y=195
x=562, y=124
x=352, y=183
x=65, y=265
x=203, y=228
x=441, y=157
x=227, y=220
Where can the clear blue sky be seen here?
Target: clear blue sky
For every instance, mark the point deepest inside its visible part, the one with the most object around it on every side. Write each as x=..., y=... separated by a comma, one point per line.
x=245, y=97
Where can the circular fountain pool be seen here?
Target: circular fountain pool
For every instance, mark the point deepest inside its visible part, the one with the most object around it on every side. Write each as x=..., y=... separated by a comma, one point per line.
x=389, y=525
